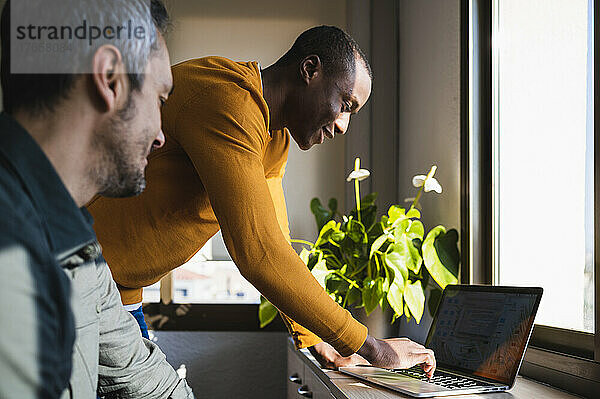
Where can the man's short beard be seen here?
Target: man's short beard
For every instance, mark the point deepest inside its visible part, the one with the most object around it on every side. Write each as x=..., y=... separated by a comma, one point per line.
x=116, y=173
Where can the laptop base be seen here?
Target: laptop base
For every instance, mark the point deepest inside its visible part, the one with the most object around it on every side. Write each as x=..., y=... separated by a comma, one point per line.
x=413, y=386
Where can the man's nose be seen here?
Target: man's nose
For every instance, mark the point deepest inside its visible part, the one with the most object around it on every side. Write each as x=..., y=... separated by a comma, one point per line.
x=342, y=122
x=159, y=141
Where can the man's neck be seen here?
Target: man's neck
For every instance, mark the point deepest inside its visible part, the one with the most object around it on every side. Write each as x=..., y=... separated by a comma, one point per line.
x=64, y=136
x=274, y=93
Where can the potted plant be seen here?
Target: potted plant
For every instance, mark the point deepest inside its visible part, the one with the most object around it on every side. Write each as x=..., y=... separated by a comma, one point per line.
x=363, y=261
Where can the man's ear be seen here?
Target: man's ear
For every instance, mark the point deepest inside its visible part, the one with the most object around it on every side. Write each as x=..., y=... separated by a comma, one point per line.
x=109, y=77
x=311, y=68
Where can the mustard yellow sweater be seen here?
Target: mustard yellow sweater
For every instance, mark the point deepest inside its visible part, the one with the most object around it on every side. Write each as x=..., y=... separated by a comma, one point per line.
x=221, y=167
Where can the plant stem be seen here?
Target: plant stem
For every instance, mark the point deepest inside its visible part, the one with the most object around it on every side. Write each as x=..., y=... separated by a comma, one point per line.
x=352, y=283
x=416, y=200
x=357, y=187
x=329, y=240
x=296, y=241
x=335, y=260
x=359, y=270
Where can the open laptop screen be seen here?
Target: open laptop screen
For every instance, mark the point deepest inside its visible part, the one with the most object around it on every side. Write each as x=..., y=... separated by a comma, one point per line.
x=483, y=330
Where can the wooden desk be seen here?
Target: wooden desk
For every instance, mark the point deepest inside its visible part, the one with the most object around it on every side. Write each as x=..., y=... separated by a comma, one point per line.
x=307, y=379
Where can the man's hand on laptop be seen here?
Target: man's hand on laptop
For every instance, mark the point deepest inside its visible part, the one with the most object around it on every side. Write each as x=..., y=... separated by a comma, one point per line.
x=397, y=353
x=329, y=358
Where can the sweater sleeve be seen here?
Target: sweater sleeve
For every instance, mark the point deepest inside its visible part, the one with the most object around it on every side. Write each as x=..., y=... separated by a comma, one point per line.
x=303, y=338
x=226, y=149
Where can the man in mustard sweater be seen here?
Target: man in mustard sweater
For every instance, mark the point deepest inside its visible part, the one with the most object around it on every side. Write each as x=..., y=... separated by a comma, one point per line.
x=228, y=127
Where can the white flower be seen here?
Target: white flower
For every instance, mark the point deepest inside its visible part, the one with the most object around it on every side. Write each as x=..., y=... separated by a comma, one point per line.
x=431, y=184
x=360, y=174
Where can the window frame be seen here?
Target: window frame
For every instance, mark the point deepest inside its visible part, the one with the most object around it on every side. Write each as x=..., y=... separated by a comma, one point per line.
x=563, y=358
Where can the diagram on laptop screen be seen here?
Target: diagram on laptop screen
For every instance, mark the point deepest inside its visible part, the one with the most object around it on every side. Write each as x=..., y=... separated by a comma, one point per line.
x=483, y=332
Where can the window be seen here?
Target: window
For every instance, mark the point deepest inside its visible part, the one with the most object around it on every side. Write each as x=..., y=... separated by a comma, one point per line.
x=543, y=155
x=530, y=192
x=209, y=277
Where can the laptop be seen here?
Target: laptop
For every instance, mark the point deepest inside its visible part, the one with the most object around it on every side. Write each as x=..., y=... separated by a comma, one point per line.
x=479, y=335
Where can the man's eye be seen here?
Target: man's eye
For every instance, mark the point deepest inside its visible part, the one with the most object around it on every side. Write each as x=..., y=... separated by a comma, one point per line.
x=162, y=102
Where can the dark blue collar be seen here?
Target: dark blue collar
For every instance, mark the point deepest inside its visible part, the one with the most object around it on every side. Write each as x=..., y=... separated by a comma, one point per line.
x=66, y=225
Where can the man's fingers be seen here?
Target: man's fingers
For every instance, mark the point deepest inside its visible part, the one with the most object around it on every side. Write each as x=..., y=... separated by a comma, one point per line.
x=429, y=370
x=427, y=360
x=350, y=361
x=401, y=353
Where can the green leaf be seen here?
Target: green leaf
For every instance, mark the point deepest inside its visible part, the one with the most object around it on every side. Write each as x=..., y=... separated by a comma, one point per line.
x=446, y=246
x=368, y=216
x=396, y=213
x=266, y=312
x=407, y=313
x=368, y=200
x=333, y=205
x=313, y=259
x=354, y=296
x=395, y=293
x=377, y=244
x=320, y=272
x=372, y=293
x=351, y=250
x=395, y=261
x=442, y=275
x=408, y=254
x=328, y=229
x=385, y=220
x=374, y=232
x=338, y=236
x=418, y=244
x=368, y=211
x=344, y=269
x=334, y=284
x=388, y=275
x=378, y=289
x=415, y=299
x=413, y=213
x=415, y=230
x=322, y=215
x=356, y=231
x=401, y=226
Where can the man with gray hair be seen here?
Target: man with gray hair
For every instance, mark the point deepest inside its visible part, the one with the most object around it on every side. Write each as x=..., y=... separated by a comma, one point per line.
x=83, y=84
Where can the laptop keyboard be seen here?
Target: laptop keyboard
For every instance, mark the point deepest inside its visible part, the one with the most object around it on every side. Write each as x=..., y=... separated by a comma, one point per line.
x=446, y=380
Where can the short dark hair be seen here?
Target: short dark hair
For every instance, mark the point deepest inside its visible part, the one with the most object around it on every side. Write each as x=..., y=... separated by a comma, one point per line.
x=40, y=92
x=336, y=49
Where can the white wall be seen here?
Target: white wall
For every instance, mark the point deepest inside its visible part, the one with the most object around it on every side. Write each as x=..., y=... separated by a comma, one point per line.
x=429, y=114
x=430, y=105
x=262, y=31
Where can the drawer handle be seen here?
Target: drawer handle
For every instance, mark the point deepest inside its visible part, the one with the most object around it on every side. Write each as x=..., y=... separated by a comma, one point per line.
x=304, y=391
x=295, y=379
